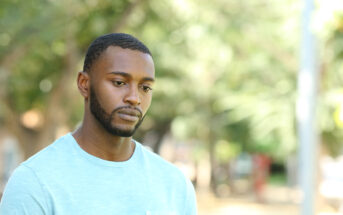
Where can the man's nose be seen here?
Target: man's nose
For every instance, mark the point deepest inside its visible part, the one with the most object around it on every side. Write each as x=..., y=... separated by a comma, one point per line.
x=133, y=97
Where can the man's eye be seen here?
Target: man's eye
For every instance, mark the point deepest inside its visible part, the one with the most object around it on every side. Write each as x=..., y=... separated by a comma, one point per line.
x=146, y=88
x=118, y=83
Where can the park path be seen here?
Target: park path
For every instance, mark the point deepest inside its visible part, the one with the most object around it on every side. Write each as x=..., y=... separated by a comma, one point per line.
x=278, y=201
x=242, y=206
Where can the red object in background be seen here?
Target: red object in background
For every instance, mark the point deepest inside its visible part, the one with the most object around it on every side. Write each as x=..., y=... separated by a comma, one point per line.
x=261, y=167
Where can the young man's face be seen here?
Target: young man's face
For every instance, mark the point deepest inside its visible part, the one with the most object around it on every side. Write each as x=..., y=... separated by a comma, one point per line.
x=120, y=89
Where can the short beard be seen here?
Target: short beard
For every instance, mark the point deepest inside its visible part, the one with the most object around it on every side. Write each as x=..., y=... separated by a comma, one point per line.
x=105, y=119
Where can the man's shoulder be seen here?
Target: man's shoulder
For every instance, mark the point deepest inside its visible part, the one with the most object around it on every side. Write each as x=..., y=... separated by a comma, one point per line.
x=160, y=164
x=50, y=154
x=155, y=158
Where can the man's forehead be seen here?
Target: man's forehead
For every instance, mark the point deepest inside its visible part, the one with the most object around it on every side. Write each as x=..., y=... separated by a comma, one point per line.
x=115, y=58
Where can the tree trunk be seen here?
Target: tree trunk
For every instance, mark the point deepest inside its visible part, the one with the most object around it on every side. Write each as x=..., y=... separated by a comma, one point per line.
x=160, y=135
x=213, y=162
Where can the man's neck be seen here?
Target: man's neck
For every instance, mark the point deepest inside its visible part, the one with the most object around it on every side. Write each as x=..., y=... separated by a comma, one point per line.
x=98, y=142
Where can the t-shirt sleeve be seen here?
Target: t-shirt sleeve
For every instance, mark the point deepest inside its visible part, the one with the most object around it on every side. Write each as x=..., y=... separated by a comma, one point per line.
x=191, y=203
x=23, y=194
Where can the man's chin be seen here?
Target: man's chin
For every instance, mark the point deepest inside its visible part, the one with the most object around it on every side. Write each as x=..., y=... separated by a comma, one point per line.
x=121, y=132
x=124, y=134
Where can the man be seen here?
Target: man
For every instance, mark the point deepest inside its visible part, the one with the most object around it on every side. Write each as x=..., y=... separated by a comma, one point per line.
x=99, y=168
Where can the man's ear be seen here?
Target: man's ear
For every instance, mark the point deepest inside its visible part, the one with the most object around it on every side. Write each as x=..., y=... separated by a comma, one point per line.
x=83, y=83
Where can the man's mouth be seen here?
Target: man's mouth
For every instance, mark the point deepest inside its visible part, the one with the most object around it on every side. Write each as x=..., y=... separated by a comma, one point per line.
x=131, y=115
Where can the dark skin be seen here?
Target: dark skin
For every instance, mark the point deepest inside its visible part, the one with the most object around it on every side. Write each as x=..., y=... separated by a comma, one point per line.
x=119, y=77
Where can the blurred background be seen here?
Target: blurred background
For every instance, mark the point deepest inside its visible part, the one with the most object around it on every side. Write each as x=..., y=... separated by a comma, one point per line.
x=223, y=107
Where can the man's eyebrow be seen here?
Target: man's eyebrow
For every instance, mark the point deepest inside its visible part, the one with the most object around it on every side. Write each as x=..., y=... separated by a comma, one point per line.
x=121, y=73
x=127, y=75
x=148, y=79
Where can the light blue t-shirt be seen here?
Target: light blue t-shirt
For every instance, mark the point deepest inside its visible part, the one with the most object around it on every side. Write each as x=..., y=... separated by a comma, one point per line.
x=63, y=179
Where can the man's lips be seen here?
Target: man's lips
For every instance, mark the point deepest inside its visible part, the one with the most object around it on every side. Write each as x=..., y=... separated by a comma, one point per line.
x=129, y=114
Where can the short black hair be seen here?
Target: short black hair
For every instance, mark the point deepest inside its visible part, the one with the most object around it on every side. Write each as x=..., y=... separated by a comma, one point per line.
x=100, y=44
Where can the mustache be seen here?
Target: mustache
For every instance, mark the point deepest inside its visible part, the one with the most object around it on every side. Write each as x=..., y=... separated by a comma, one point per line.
x=128, y=107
